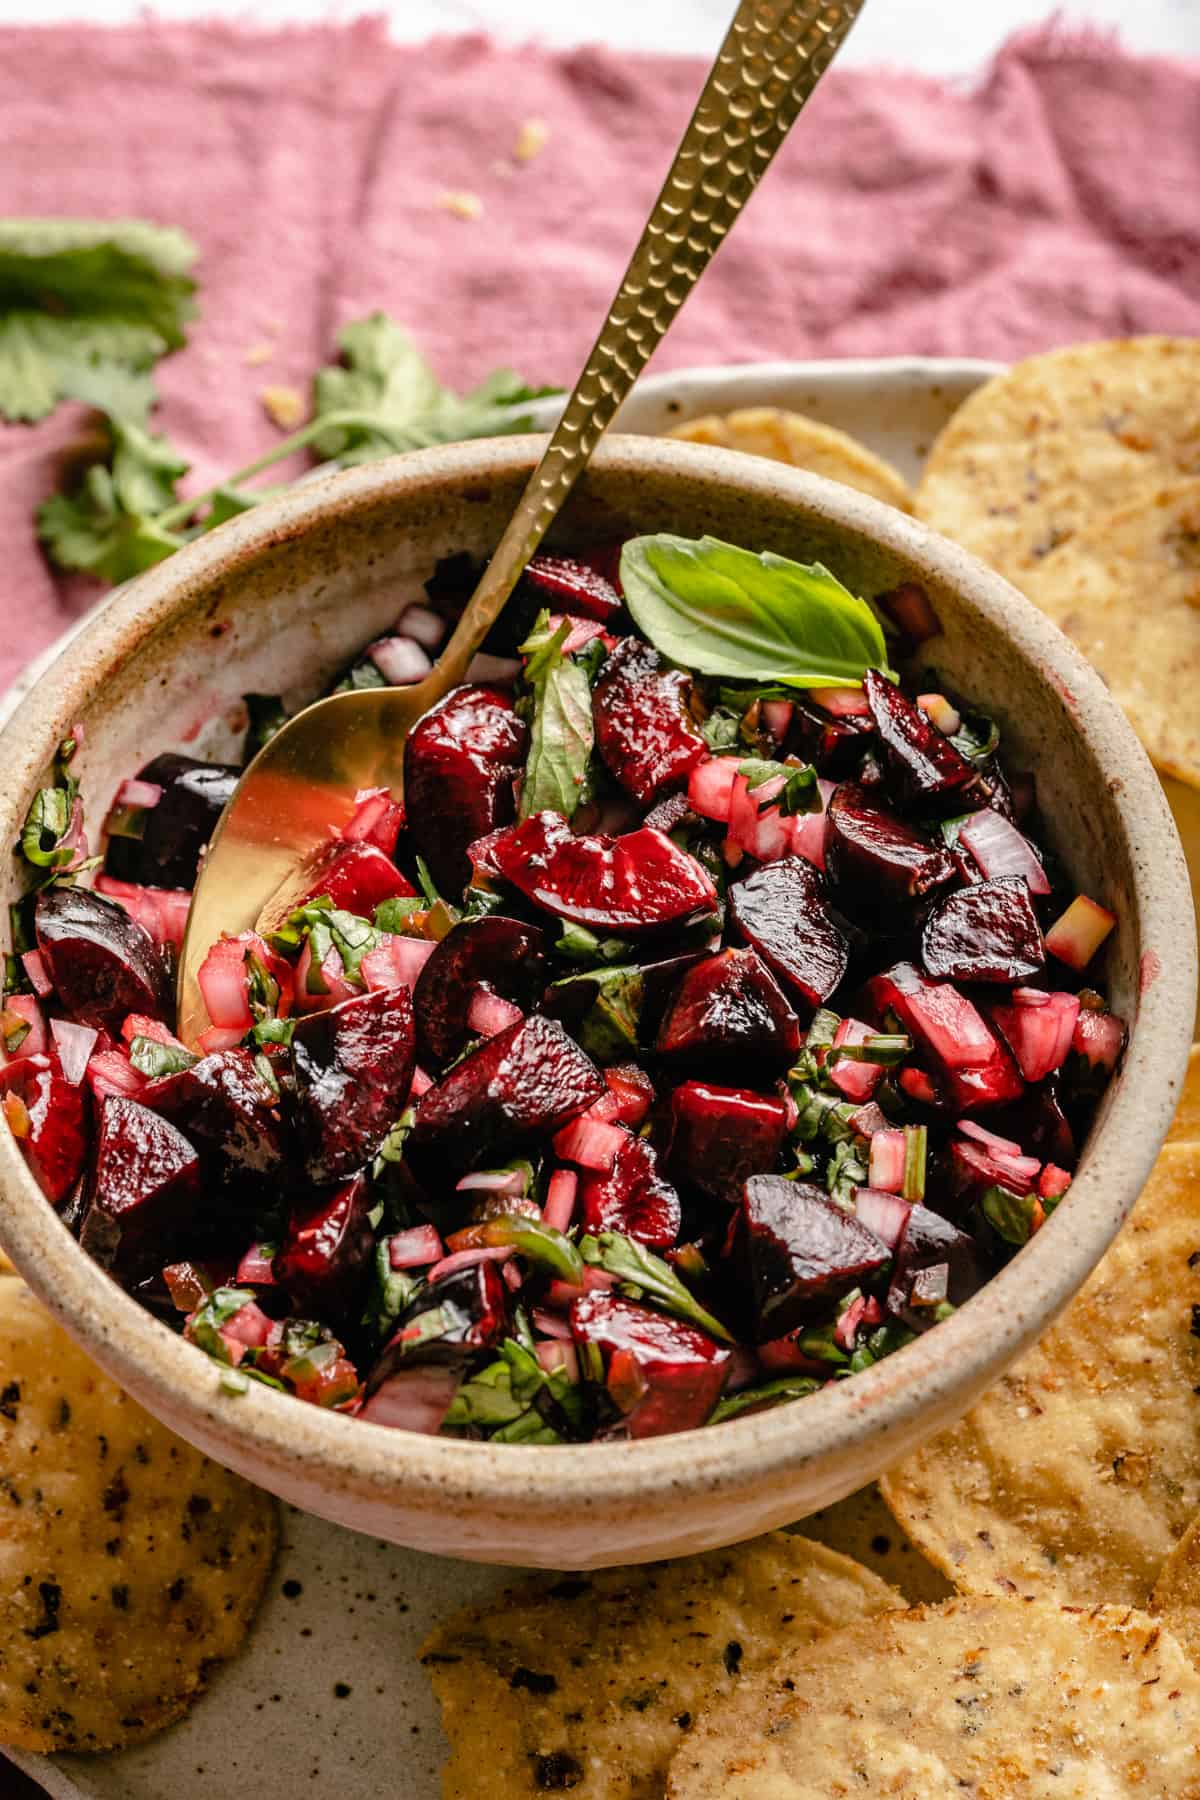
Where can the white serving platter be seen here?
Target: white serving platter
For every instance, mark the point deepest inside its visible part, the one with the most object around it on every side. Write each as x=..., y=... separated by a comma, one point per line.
x=329, y=1690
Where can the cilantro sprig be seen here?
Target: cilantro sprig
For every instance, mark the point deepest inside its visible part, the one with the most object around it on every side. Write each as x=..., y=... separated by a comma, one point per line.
x=641, y=1274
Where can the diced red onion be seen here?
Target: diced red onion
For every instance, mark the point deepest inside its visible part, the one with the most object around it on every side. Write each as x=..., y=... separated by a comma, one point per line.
x=163, y=912
x=399, y=660
x=989, y=1139
x=590, y=1142
x=884, y=1214
x=554, y=1356
x=848, y=1323
x=507, y=1182
x=376, y=819
x=74, y=1044
x=413, y=1248
x=410, y=954
x=422, y=626
x=415, y=1399
x=36, y=1040
x=513, y=1277
x=842, y=702
x=421, y=1084
x=941, y=714
x=1038, y=1032
x=489, y=1014
x=495, y=671
x=856, y=1080
x=562, y=1293
x=560, y=1199
x=144, y=794
x=219, y=1037
x=249, y=1325
x=111, y=1072
x=550, y=1324
x=888, y=1155
x=222, y=981
x=1053, y=1182
x=1000, y=849
x=1098, y=1037
x=39, y=975
x=581, y=633
x=467, y=1259
x=987, y=1167
x=1078, y=934
x=255, y=1268
x=710, y=787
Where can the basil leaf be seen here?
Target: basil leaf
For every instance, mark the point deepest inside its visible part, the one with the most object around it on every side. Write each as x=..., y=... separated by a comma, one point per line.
x=723, y=611
x=799, y=793
x=151, y=1058
x=636, y=1267
x=562, y=732
x=608, y=1027
x=755, y=1399
x=539, y=1242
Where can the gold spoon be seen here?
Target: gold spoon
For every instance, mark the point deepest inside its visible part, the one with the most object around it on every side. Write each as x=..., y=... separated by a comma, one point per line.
x=773, y=55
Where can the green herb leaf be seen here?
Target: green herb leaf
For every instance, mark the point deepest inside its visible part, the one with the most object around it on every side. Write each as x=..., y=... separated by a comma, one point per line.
x=267, y=715
x=392, y=914
x=635, y=1266
x=608, y=1029
x=722, y=730
x=509, y=1398
x=204, y=1325
x=387, y=398
x=391, y=1291
x=723, y=611
x=151, y=1058
x=108, y=528
x=86, y=309
x=799, y=793
x=562, y=732
x=847, y=1169
x=46, y=824
x=539, y=1242
x=328, y=926
x=578, y=944
x=1012, y=1215
x=428, y=885
x=756, y=1399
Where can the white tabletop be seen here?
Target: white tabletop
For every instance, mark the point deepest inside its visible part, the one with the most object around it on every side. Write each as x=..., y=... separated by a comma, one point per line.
x=935, y=36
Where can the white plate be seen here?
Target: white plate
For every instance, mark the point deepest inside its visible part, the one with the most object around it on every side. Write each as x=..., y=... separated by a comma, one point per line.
x=345, y=1612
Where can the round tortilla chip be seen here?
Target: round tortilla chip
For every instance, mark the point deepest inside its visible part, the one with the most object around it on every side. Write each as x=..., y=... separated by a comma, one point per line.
x=985, y=1697
x=587, y=1682
x=1039, y=452
x=1077, y=1473
x=789, y=437
x=129, y=1563
x=862, y=1527
x=1177, y=1591
x=1126, y=589
x=1185, y=1126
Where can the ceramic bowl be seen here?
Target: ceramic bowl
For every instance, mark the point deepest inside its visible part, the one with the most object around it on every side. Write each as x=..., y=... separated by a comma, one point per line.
x=277, y=600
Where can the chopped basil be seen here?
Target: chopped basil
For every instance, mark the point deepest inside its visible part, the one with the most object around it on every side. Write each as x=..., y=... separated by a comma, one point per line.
x=799, y=793
x=977, y=738
x=327, y=927
x=46, y=824
x=392, y=1148
x=578, y=944
x=608, y=1030
x=1013, y=1216
x=539, y=1242
x=392, y=914
x=151, y=1058
x=428, y=884
x=756, y=1399
x=719, y=610
x=638, y=1268
x=391, y=1291
x=847, y=1170
x=882, y=1342
x=204, y=1325
x=510, y=1398
x=722, y=730
x=562, y=732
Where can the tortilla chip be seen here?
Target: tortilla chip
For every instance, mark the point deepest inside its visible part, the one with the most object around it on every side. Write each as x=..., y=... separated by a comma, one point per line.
x=1075, y=1476
x=985, y=1697
x=1185, y=1126
x=1177, y=1591
x=129, y=1563
x=1040, y=452
x=1126, y=589
x=587, y=1682
x=789, y=437
x=861, y=1527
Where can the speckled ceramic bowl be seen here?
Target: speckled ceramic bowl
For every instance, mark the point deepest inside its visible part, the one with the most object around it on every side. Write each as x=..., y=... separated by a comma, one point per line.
x=277, y=600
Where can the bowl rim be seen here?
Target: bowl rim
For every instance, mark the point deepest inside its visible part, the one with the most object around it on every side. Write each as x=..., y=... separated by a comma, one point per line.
x=373, y=1461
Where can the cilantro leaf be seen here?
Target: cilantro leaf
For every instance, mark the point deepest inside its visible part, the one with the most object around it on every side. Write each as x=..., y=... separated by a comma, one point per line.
x=107, y=527
x=755, y=1399
x=398, y=402
x=87, y=307
x=562, y=733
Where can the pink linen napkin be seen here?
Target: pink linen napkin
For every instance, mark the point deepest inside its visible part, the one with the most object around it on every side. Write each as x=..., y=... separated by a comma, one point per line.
x=1052, y=202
